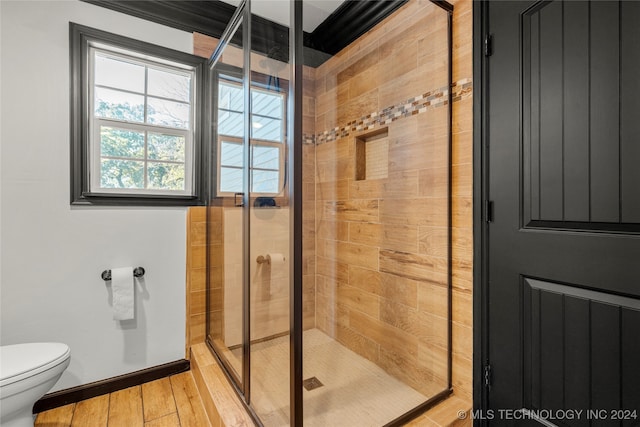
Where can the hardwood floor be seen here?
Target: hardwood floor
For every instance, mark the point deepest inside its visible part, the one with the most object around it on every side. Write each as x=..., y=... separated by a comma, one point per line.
x=167, y=402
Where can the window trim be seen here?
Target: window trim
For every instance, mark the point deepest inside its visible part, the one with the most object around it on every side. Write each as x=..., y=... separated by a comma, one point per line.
x=82, y=39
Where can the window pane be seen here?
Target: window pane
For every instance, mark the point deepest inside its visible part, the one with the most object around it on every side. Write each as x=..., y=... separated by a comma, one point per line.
x=230, y=97
x=165, y=176
x=121, y=143
x=121, y=173
x=114, y=104
x=168, y=113
x=169, y=85
x=266, y=157
x=119, y=74
x=266, y=129
x=265, y=182
x=231, y=154
x=266, y=104
x=166, y=147
x=230, y=124
x=230, y=180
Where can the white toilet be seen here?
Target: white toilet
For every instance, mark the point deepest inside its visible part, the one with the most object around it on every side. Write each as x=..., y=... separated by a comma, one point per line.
x=27, y=372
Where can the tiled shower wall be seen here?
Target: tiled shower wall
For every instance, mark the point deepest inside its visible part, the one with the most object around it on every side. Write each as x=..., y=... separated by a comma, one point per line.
x=381, y=243
x=381, y=289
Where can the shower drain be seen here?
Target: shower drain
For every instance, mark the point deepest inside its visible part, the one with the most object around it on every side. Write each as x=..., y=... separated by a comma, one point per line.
x=311, y=383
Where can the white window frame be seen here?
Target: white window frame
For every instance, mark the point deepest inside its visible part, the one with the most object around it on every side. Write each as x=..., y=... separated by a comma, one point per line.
x=253, y=142
x=96, y=123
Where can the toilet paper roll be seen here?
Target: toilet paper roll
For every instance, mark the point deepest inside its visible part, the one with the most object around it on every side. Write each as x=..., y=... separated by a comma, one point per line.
x=275, y=258
x=122, y=287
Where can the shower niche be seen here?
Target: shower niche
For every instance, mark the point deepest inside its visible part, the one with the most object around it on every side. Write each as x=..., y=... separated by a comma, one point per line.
x=337, y=164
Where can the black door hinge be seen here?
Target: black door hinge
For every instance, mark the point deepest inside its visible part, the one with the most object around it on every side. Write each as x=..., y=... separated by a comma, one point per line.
x=487, y=376
x=488, y=211
x=488, y=45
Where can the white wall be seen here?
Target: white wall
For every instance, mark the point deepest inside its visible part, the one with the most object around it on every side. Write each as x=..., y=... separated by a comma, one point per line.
x=52, y=254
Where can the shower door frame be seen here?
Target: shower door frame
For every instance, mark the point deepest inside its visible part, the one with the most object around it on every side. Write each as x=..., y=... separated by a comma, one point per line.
x=294, y=172
x=242, y=16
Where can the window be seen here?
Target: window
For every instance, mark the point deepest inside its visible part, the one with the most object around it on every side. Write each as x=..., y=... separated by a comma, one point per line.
x=136, y=119
x=267, y=138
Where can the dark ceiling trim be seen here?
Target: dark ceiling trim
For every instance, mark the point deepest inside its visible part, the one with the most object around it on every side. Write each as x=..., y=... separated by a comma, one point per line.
x=348, y=22
x=210, y=17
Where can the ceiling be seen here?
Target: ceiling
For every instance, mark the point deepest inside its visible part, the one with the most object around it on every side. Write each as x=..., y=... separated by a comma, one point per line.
x=314, y=11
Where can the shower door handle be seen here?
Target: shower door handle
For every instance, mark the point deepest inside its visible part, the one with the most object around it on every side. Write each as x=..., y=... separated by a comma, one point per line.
x=238, y=199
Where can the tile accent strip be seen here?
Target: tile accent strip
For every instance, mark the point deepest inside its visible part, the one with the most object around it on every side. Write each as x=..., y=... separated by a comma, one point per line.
x=461, y=89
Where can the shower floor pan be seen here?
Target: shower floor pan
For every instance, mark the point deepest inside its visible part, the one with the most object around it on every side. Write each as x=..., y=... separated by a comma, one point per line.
x=354, y=391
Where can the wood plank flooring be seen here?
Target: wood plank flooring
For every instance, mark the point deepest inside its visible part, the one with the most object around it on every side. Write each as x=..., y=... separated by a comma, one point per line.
x=167, y=402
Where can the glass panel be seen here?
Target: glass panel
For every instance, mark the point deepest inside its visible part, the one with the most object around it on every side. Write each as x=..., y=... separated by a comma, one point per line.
x=116, y=173
x=168, y=113
x=231, y=154
x=169, y=85
x=231, y=180
x=375, y=231
x=230, y=123
x=165, y=176
x=266, y=129
x=267, y=104
x=265, y=182
x=121, y=142
x=270, y=235
x=115, y=104
x=230, y=96
x=226, y=238
x=266, y=157
x=166, y=147
x=118, y=73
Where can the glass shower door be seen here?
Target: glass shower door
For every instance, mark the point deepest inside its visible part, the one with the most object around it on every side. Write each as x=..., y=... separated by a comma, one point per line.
x=227, y=216
x=249, y=215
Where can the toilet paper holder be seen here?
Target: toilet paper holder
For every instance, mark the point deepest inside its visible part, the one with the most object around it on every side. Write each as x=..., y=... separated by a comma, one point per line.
x=137, y=272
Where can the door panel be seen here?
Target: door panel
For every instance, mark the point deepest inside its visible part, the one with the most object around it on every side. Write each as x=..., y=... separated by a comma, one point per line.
x=564, y=249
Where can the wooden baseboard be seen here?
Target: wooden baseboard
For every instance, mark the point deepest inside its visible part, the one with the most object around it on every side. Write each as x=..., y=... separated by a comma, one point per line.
x=109, y=385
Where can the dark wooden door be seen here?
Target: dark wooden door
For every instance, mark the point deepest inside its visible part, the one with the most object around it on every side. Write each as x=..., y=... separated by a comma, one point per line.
x=563, y=143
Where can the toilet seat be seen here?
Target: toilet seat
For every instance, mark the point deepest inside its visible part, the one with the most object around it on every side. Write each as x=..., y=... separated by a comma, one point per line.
x=20, y=361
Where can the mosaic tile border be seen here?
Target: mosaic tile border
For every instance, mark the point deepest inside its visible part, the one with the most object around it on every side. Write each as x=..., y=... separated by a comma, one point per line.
x=461, y=89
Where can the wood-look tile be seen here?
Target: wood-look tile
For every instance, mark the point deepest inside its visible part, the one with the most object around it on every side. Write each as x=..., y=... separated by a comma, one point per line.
x=434, y=241
x=197, y=213
x=198, y=279
x=188, y=402
x=332, y=190
x=350, y=210
x=384, y=334
x=423, y=212
x=357, y=299
x=427, y=154
x=358, y=107
x=462, y=307
x=332, y=230
x=197, y=257
x=204, y=45
x=197, y=328
x=357, y=343
x=170, y=420
x=414, y=266
x=462, y=148
x=401, y=184
x=434, y=182
x=91, y=412
x=158, y=399
x=125, y=408
x=433, y=298
x=198, y=233
x=57, y=417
